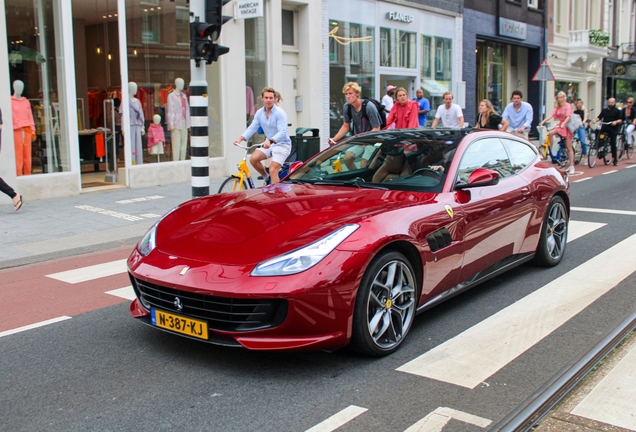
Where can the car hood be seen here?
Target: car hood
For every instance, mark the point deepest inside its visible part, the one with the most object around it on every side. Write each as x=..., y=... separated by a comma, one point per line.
x=249, y=227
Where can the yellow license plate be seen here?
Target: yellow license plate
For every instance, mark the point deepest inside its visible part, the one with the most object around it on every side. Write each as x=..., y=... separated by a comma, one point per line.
x=179, y=324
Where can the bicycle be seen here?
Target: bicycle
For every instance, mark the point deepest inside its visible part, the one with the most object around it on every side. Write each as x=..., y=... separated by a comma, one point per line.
x=599, y=147
x=622, y=148
x=243, y=179
x=561, y=156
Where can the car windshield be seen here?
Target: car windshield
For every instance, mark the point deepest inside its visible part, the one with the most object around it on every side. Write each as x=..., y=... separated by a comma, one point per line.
x=402, y=159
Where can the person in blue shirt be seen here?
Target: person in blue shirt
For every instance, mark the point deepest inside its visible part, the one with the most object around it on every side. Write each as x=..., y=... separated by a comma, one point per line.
x=519, y=115
x=273, y=121
x=424, y=105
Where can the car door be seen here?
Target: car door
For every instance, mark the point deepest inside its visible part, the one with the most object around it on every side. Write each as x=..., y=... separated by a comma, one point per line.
x=495, y=216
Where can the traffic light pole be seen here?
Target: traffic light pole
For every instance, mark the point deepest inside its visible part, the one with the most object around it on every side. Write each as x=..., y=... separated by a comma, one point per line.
x=199, y=136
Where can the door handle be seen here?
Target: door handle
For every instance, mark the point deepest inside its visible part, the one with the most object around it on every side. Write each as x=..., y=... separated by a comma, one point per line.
x=525, y=191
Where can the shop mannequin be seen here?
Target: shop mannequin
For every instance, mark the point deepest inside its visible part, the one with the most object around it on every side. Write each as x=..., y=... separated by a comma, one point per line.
x=23, y=129
x=178, y=120
x=136, y=125
x=156, y=137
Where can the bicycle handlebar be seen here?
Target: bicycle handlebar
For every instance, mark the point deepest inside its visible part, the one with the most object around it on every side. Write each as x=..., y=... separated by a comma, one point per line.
x=246, y=147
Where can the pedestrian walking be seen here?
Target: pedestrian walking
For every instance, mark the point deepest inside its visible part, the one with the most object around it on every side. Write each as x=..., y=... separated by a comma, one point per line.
x=387, y=99
x=562, y=113
x=488, y=117
x=404, y=113
x=450, y=113
x=424, y=107
x=518, y=114
x=4, y=187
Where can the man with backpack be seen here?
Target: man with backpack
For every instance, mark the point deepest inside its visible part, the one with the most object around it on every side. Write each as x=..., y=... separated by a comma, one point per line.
x=359, y=115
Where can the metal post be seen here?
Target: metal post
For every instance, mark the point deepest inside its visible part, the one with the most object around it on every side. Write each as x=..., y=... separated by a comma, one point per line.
x=199, y=140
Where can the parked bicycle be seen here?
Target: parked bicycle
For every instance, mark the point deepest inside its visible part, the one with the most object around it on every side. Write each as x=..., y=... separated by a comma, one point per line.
x=243, y=179
x=561, y=156
x=622, y=148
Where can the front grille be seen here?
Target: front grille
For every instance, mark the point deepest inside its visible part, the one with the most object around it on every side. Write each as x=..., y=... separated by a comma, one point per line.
x=221, y=313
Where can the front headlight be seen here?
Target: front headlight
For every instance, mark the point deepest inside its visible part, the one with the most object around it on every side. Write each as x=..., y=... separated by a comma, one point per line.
x=148, y=243
x=306, y=257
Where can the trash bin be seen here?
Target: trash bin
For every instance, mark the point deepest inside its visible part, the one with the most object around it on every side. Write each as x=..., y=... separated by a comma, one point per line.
x=306, y=146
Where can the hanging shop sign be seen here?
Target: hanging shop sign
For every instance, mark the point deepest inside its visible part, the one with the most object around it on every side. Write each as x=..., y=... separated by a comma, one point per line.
x=512, y=29
x=248, y=9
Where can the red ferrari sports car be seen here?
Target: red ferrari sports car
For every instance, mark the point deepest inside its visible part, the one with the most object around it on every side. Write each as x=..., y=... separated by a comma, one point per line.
x=353, y=244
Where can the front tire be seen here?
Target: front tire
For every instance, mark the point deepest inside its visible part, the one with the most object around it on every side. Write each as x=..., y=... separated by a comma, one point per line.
x=232, y=184
x=578, y=151
x=591, y=154
x=385, y=305
x=630, y=150
x=554, y=234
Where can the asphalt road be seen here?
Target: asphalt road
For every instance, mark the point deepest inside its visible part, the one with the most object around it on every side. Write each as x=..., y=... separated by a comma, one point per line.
x=102, y=370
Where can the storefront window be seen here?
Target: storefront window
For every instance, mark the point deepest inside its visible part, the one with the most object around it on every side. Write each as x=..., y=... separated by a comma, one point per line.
x=436, y=69
x=397, y=48
x=33, y=54
x=490, y=73
x=255, y=69
x=351, y=58
x=159, y=53
x=570, y=89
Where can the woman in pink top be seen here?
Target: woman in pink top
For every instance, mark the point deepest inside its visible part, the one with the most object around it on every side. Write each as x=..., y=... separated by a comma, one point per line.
x=404, y=112
x=562, y=113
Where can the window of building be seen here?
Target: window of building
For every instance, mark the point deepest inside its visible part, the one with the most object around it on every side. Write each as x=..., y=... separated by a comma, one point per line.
x=571, y=90
x=255, y=68
x=561, y=16
x=427, y=56
x=288, y=27
x=34, y=52
x=490, y=73
x=397, y=48
x=351, y=58
x=533, y=4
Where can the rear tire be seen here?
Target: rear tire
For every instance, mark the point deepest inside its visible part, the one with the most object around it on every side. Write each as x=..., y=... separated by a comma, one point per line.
x=607, y=152
x=232, y=184
x=591, y=154
x=385, y=305
x=620, y=147
x=578, y=151
x=630, y=151
x=554, y=234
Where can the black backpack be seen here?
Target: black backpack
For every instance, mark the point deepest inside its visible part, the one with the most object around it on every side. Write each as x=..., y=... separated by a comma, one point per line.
x=378, y=106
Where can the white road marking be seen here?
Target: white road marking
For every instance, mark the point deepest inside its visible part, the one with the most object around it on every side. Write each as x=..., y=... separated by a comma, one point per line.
x=613, y=400
x=606, y=211
x=150, y=215
x=581, y=180
x=435, y=421
x=339, y=419
x=132, y=200
x=91, y=272
x=32, y=326
x=109, y=213
x=125, y=293
x=609, y=172
x=577, y=229
x=631, y=166
x=471, y=357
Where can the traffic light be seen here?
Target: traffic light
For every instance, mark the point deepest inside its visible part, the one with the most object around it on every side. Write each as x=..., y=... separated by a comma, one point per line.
x=203, y=34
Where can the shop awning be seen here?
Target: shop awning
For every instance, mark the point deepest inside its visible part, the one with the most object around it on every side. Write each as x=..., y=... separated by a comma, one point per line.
x=435, y=88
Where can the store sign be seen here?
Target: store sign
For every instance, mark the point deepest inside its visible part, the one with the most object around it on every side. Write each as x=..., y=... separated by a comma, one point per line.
x=148, y=36
x=512, y=29
x=248, y=9
x=396, y=16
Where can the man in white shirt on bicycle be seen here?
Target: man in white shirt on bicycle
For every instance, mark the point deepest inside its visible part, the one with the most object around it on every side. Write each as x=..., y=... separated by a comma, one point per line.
x=273, y=120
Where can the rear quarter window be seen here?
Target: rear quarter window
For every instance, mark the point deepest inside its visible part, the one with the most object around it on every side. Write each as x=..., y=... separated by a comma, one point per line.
x=521, y=154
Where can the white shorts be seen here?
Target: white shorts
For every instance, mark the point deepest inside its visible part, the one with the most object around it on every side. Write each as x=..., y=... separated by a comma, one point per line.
x=364, y=151
x=278, y=152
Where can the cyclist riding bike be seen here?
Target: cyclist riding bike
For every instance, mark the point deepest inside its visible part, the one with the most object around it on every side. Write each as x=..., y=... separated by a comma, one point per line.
x=562, y=112
x=614, y=117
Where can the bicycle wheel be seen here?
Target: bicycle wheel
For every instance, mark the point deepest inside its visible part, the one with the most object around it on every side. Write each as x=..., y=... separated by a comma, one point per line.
x=232, y=184
x=578, y=151
x=607, y=154
x=592, y=151
x=620, y=147
x=630, y=151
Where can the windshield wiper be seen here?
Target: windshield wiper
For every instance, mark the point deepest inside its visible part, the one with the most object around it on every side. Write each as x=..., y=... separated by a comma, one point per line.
x=354, y=182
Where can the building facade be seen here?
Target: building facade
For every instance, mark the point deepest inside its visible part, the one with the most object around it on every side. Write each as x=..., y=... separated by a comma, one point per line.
x=75, y=59
x=407, y=44
x=504, y=44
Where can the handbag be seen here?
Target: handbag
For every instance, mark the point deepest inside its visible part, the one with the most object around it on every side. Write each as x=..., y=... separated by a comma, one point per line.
x=574, y=123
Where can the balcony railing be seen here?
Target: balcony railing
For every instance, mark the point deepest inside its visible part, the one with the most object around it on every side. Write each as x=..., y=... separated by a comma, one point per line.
x=587, y=45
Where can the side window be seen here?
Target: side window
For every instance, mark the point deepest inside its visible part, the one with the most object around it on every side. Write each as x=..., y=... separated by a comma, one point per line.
x=521, y=154
x=485, y=153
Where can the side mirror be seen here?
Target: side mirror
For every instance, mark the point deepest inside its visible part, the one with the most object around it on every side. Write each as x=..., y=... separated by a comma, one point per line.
x=294, y=166
x=480, y=177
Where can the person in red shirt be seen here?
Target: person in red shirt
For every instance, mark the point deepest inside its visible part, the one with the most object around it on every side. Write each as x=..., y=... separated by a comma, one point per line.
x=404, y=112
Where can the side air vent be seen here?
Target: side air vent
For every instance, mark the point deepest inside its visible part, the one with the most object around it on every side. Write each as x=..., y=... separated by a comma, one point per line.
x=439, y=239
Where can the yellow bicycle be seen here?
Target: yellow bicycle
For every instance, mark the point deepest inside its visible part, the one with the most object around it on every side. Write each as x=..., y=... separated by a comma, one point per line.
x=242, y=180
